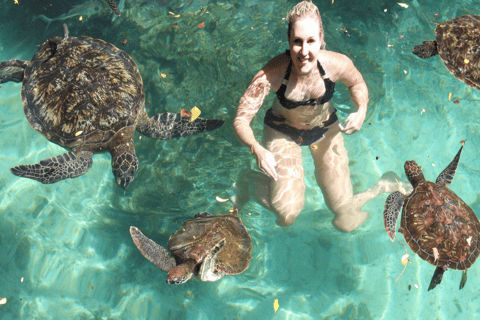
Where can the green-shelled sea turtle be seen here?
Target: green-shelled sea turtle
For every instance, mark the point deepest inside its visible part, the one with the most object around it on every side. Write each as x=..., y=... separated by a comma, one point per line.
x=87, y=96
x=435, y=222
x=208, y=246
x=458, y=44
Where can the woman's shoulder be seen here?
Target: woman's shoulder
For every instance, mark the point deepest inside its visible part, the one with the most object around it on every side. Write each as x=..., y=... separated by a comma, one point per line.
x=275, y=69
x=334, y=63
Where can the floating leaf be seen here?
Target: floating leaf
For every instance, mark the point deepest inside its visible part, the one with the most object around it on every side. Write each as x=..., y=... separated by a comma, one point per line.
x=220, y=199
x=185, y=113
x=449, y=96
x=456, y=101
x=416, y=285
x=201, y=25
x=466, y=61
x=15, y=1
x=163, y=75
x=421, y=112
x=405, y=258
x=3, y=300
x=78, y=133
x=435, y=254
x=21, y=280
x=275, y=305
x=124, y=42
x=177, y=16
x=403, y=4
x=195, y=113
x=81, y=18
x=171, y=13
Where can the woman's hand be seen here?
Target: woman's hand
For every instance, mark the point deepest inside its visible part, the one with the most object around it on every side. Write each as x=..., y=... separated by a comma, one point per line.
x=265, y=161
x=353, y=123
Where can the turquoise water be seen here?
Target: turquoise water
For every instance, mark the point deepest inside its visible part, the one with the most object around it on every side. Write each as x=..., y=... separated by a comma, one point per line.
x=69, y=241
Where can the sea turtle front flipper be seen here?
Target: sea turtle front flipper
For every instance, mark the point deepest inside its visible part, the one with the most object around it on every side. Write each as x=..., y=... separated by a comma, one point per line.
x=437, y=278
x=463, y=281
x=156, y=254
x=426, y=50
x=207, y=270
x=446, y=177
x=51, y=170
x=114, y=7
x=393, y=205
x=12, y=70
x=173, y=125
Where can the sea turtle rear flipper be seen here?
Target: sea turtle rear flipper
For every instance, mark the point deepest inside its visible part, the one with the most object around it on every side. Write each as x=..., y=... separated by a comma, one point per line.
x=446, y=177
x=207, y=269
x=12, y=70
x=426, y=50
x=114, y=7
x=51, y=170
x=437, y=277
x=463, y=281
x=173, y=125
x=156, y=254
x=393, y=205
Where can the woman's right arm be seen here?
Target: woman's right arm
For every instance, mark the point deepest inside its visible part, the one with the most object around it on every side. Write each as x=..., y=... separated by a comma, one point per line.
x=249, y=105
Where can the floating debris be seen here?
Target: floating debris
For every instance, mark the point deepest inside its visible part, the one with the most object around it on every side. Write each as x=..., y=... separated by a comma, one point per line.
x=421, y=112
x=405, y=71
x=466, y=61
x=275, y=305
x=80, y=19
x=345, y=31
x=416, y=285
x=436, y=14
x=124, y=42
x=163, y=75
x=435, y=254
x=409, y=287
x=377, y=157
x=449, y=96
x=185, y=113
x=195, y=113
x=3, y=300
x=21, y=280
x=403, y=4
x=433, y=164
x=405, y=258
x=78, y=133
x=220, y=199
x=456, y=101
x=201, y=25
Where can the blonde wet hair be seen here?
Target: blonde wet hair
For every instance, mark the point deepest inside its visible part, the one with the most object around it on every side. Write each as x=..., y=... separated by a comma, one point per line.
x=302, y=10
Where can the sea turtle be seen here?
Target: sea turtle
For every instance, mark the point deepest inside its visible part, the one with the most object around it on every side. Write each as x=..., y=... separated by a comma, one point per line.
x=458, y=44
x=87, y=96
x=435, y=222
x=209, y=246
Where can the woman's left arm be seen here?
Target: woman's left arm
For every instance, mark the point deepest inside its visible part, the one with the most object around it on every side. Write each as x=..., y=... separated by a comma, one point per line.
x=352, y=78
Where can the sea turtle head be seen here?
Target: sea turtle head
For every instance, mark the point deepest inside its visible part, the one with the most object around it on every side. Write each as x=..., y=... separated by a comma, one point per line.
x=124, y=168
x=180, y=274
x=414, y=173
x=426, y=50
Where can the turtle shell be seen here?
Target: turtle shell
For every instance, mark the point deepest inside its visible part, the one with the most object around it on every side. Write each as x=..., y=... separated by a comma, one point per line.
x=81, y=91
x=201, y=235
x=458, y=44
x=435, y=217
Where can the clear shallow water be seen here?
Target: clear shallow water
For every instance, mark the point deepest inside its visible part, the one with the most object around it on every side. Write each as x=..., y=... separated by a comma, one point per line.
x=70, y=242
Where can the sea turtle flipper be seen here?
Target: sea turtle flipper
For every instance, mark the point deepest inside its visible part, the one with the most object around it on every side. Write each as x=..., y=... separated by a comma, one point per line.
x=437, y=277
x=426, y=50
x=51, y=170
x=173, y=125
x=155, y=253
x=114, y=7
x=207, y=269
x=393, y=205
x=12, y=70
x=463, y=280
x=446, y=177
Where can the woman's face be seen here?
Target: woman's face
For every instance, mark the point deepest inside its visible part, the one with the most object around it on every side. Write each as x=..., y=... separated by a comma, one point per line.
x=305, y=45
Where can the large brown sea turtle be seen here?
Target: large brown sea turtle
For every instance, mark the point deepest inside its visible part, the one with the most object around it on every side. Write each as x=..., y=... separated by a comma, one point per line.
x=458, y=44
x=435, y=222
x=208, y=246
x=87, y=96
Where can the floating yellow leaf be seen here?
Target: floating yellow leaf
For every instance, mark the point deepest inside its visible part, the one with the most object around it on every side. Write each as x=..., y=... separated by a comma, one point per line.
x=333, y=1
x=449, y=96
x=275, y=305
x=231, y=210
x=177, y=16
x=163, y=75
x=405, y=259
x=15, y=1
x=78, y=133
x=171, y=13
x=402, y=4
x=220, y=199
x=195, y=113
x=466, y=61
x=3, y=300
x=81, y=18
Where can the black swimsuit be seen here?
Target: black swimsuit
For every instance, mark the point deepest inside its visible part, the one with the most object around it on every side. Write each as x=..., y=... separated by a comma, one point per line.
x=302, y=137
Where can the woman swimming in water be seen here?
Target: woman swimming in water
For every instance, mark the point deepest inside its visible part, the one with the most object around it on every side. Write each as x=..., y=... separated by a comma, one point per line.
x=304, y=80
